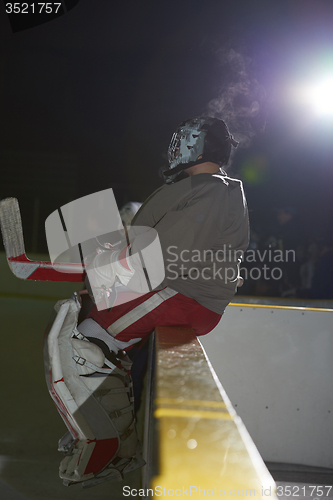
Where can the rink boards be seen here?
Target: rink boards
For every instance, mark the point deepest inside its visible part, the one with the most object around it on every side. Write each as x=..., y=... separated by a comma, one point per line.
x=276, y=365
x=203, y=447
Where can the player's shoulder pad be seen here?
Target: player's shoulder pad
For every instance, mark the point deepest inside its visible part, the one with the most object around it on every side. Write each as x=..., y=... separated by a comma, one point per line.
x=216, y=180
x=228, y=181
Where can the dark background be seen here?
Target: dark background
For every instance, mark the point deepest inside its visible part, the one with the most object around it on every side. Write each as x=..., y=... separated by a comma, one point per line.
x=90, y=101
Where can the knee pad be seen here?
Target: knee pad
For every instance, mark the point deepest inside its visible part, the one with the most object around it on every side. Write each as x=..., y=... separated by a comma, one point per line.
x=94, y=396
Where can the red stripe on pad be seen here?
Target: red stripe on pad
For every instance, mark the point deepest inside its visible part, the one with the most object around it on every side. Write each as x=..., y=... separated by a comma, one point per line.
x=122, y=258
x=103, y=452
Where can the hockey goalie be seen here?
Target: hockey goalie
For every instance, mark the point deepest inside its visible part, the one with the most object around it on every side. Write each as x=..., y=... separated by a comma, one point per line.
x=178, y=265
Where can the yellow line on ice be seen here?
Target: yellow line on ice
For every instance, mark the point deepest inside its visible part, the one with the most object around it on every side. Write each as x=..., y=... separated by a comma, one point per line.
x=190, y=402
x=175, y=412
x=293, y=308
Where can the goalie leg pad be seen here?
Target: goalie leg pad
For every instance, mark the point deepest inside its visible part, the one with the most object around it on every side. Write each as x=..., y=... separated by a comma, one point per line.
x=94, y=396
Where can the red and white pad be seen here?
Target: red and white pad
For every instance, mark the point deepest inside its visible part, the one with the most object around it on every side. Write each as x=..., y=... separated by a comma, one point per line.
x=94, y=397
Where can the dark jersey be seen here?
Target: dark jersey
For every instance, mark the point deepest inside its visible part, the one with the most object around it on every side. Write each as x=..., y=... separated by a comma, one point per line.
x=202, y=223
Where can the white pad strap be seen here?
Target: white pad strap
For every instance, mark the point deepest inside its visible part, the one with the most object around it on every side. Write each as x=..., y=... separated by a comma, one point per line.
x=119, y=413
x=118, y=390
x=84, y=362
x=90, y=328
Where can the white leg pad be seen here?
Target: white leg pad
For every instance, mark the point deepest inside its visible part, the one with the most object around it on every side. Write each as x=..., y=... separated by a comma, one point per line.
x=95, y=399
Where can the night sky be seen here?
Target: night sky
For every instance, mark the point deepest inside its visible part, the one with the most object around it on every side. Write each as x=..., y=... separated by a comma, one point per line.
x=90, y=101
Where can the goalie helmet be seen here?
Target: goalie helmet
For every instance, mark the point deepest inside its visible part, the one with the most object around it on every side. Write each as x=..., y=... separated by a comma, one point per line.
x=204, y=137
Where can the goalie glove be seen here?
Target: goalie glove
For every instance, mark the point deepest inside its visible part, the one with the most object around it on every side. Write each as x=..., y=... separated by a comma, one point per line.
x=108, y=267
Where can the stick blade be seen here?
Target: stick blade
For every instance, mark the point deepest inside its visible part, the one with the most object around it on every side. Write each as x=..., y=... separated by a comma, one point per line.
x=11, y=227
x=19, y=264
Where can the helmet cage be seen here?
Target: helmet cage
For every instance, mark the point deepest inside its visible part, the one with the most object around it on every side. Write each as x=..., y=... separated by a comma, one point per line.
x=204, y=137
x=187, y=143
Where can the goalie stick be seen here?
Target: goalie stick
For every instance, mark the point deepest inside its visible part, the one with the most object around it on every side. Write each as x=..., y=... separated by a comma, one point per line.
x=20, y=265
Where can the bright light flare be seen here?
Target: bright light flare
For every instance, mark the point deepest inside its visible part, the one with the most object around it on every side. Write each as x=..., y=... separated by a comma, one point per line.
x=321, y=97
x=317, y=95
